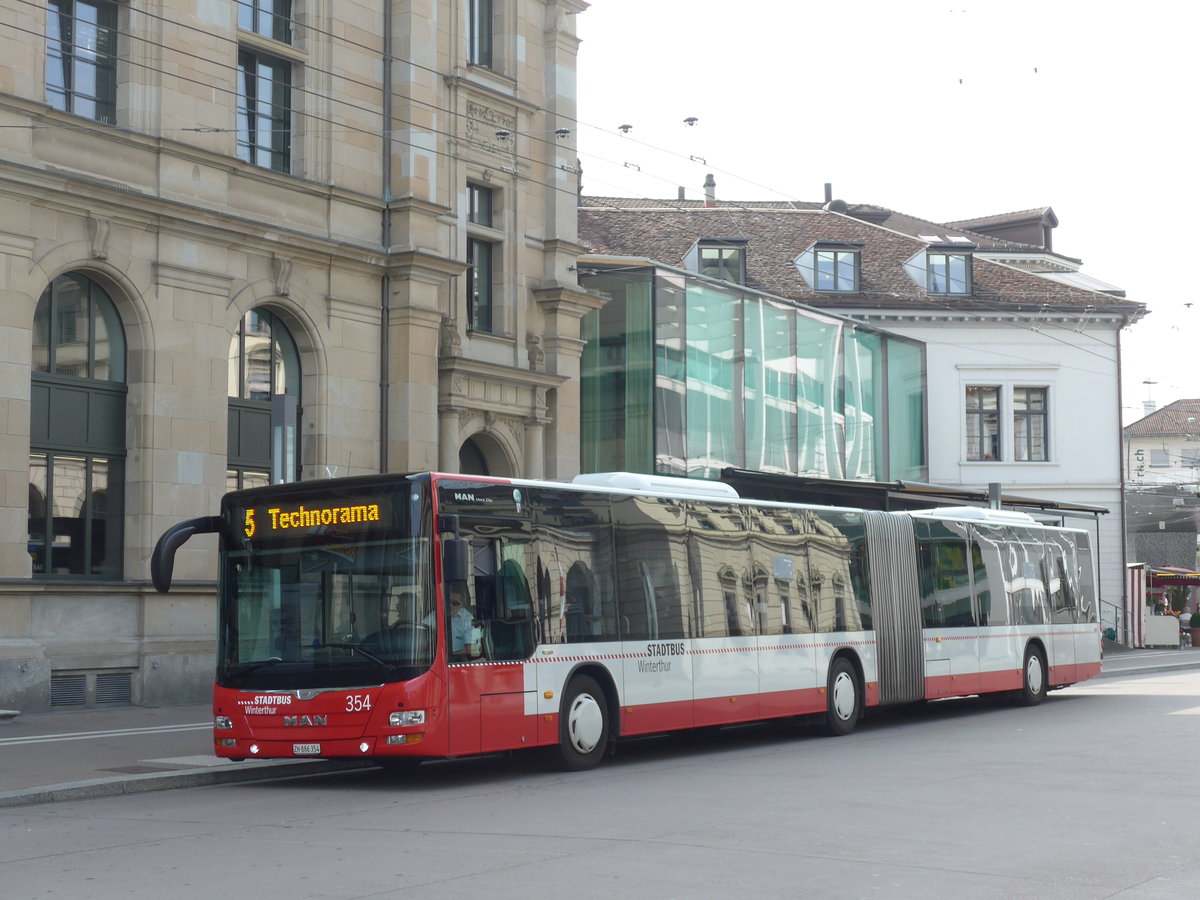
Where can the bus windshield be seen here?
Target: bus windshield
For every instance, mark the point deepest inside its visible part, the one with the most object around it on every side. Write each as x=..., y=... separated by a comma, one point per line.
x=326, y=591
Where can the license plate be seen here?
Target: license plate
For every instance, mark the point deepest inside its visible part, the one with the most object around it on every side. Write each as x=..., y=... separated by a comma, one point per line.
x=306, y=749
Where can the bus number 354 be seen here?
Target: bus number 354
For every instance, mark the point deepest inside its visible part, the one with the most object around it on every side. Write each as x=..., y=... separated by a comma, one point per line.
x=357, y=702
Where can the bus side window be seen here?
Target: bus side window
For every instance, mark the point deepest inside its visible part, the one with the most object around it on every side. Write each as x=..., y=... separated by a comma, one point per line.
x=508, y=631
x=983, y=594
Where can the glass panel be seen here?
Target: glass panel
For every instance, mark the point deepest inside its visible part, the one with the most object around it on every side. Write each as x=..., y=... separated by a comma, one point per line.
x=722, y=263
x=864, y=370
x=944, y=572
x=258, y=355
x=819, y=421
x=58, y=31
x=311, y=608
x=837, y=583
x=479, y=285
x=847, y=271
x=269, y=18
x=1029, y=424
x=287, y=377
x=41, y=334
x=479, y=37
x=769, y=388
x=100, y=346
x=572, y=535
x=959, y=283
x=39, y=489
x=84, y=68
x=109, y=355
x=264, y=111
x=106, y=517
x=651, y=563
x=245, y=95
x=479, y=205
x=719, y=549
x=825, y=271
x=906, y=411
x=937, y=273
x=670, y=380
x=235, y=364
x=983, y=423
x=618, y=384
x=711, y=346
x=263, y=124
x=67, y=504
x=72, y=315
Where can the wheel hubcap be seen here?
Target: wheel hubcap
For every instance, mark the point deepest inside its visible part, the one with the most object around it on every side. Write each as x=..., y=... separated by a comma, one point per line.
x=1033, y=674
x=843, y=696
x=585, y=723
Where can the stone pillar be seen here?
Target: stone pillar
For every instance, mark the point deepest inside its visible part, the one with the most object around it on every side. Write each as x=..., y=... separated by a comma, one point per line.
x=448, y=425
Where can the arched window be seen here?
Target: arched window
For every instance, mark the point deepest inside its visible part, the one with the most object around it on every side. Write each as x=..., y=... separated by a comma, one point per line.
x=77, y=432
x=264, y=402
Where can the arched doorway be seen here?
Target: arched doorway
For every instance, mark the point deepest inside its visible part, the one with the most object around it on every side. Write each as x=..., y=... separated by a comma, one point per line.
x=482, y=454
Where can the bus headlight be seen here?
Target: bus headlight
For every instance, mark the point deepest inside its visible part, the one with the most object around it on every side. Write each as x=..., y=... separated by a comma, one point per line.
x=407, y=717
x=223, y=722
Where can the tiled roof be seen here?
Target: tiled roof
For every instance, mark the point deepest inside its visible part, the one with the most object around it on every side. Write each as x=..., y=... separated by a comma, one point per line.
x=1180, y=417
x=664, y=231
x=1024, y=215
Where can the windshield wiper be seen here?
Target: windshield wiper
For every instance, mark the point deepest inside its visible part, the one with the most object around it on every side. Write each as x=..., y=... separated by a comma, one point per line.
x=358, y=648
x=250, y=667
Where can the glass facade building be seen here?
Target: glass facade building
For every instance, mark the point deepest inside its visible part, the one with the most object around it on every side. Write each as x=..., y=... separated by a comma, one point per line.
x=684, y=375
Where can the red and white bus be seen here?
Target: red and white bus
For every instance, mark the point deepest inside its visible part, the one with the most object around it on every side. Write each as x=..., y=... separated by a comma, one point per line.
x=614, y=606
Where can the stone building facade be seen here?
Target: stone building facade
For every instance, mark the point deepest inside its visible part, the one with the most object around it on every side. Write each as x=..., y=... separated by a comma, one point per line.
x=258, y=241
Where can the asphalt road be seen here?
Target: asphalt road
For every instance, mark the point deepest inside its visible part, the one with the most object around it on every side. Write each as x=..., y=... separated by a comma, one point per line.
x=1090, y=795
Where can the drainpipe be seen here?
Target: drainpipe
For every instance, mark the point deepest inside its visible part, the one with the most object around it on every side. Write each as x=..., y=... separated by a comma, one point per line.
x=385, y=238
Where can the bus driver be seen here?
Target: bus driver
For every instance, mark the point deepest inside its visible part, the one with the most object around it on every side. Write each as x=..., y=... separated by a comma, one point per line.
x=464, y=636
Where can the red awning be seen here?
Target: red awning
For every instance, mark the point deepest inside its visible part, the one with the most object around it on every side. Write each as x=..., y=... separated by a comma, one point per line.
x=1168, y=576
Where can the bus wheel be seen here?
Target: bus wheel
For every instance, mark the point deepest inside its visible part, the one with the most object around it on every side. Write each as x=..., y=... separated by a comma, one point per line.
x=1033, y=690
x=582, y=725
x=843, y=697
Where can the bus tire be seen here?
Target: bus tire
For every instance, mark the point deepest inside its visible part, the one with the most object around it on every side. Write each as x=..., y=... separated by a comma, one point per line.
x=1033, y=677
x=582, y=725
x=843, y=698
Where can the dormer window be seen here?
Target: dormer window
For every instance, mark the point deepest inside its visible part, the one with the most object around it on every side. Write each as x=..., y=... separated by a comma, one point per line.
x=831, y=267
x=724, y=260
x=948, y=271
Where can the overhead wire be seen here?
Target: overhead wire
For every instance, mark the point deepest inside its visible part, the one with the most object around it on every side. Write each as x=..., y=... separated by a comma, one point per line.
x=343, y=127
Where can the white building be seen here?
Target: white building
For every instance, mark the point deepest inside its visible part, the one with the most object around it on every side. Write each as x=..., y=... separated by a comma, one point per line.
x=1022, y=351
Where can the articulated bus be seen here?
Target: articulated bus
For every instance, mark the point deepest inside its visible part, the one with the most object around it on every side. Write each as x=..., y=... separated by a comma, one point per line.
x=408, y=617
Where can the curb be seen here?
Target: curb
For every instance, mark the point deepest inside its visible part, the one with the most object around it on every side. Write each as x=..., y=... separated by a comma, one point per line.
x=1149, y=669
x=162, y=781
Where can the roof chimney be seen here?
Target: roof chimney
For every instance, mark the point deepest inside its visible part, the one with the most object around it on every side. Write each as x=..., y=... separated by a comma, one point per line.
x=828, y=191
x=1148, y=406
x=710, y=190
x=682, y=195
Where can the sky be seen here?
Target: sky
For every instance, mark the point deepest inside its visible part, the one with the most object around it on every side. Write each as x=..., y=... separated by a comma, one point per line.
x=942, y=110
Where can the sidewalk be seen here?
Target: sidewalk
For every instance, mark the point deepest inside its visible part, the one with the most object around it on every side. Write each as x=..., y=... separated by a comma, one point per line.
x=79, y=754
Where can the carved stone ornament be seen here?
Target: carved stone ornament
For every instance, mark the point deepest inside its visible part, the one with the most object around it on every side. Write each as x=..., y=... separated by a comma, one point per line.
x=449, y=340
x=98, y=230
x=282, y=270
x=537, y=356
